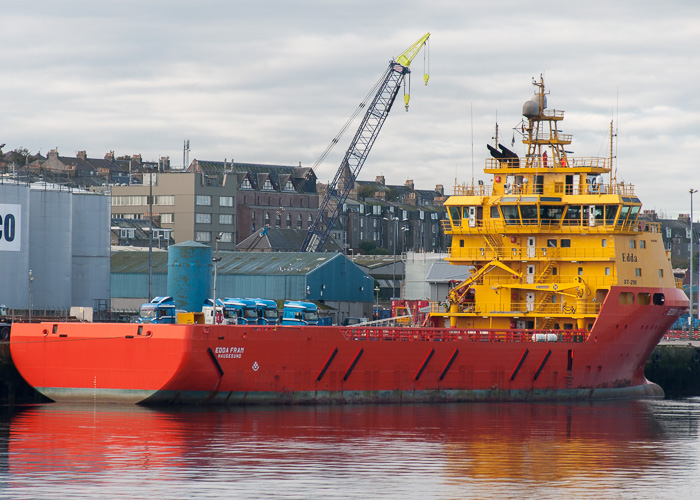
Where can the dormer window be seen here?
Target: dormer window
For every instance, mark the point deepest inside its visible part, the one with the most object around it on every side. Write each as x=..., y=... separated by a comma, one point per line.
x=267, y=186
x=289, y=186
x=246, y=184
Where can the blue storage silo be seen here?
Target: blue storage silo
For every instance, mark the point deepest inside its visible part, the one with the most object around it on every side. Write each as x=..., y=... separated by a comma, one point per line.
x=189, y=274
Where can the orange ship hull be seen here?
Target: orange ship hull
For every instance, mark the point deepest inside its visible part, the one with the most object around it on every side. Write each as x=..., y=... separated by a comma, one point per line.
x=230, y=364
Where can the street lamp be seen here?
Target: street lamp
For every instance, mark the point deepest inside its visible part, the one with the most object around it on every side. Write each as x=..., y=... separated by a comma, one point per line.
x=393, y=267
x=150, y=229
x=216, y=260
x=690, y=223
x=376, y=300
x=29, y=295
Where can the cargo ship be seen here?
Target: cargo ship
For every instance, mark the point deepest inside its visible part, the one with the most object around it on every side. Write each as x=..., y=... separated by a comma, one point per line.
x=568, y=293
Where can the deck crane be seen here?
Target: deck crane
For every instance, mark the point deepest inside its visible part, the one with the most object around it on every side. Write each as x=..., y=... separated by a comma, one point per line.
x=362, y=143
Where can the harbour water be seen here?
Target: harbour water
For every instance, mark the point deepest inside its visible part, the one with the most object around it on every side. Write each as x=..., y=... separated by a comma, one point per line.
x=637, y=449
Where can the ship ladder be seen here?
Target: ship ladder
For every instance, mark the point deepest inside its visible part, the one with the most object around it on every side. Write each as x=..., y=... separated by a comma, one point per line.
x=495, y=244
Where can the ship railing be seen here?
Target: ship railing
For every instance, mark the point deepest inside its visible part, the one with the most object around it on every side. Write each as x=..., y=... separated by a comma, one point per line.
x=485, y=252
x=539, y=162
x=553, y=113
x=473, y=190
x=422, y=334
x=519, y=308
x=532, y=226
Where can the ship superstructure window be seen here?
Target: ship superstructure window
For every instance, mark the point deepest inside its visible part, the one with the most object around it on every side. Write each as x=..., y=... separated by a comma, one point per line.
x=659, y=298
x=633, y=244
x=455, y=215
x=510, y=214
x=551, y=214
x=529, y=214
x=495, y=214
x=661, y=273
x=552, y=243
x=624, y=212
x=565, y=243
x=643, y=298
x=642, y=244
x=610, y=214
x=573, y=215
x=607, y=271
x=604, y=242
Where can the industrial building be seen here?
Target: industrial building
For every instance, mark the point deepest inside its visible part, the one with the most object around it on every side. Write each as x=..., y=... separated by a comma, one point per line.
x=340, y=287
x=54, y=247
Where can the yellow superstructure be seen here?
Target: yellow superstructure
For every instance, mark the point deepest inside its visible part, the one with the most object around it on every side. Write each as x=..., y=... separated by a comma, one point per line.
x=549, y=237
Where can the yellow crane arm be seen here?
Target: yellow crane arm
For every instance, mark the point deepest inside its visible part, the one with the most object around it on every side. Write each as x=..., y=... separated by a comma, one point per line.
x=410, y=53
x=407, y=57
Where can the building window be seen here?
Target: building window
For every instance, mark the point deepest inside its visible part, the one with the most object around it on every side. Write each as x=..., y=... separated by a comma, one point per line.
x=225, y=201
x=246, y=184
x=127, y=233
x=298, y=221
x=226, y=237
x=168, y=200
x=267, y=186
x=687, y=232
x=278, y=220
x=128, y=201
x=310, y=219
x=289, y=220
x=267, y=218
x=202, y=218
x=668, y=232
x=203, y=200
x=225, y=219
x=202, y=236
x=289, y=186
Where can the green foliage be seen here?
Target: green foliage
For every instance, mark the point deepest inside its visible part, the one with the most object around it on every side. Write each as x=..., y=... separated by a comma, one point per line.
x=366, y=191
x=371, y=248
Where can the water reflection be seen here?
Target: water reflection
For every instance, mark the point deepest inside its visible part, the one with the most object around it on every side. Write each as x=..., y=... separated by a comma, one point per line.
x=635, y=449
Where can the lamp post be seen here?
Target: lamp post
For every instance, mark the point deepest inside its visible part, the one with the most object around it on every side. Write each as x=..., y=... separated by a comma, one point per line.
x=29, y=295
x=376, y=303
x=216, y=260
x=690, y=224
x=150, y=230
x=393, y=267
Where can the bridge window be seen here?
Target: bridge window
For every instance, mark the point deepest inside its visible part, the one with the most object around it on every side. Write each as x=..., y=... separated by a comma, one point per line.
x=573, y=215
x=551, y=214
x=529, y=214
x=510, y=214
x=610, y=213
x=623, y=214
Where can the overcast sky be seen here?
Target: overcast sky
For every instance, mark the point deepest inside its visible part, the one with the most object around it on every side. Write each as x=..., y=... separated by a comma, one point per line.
x=274, y=81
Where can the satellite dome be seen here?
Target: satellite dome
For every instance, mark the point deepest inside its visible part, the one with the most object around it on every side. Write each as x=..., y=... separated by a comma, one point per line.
x=531, y=109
